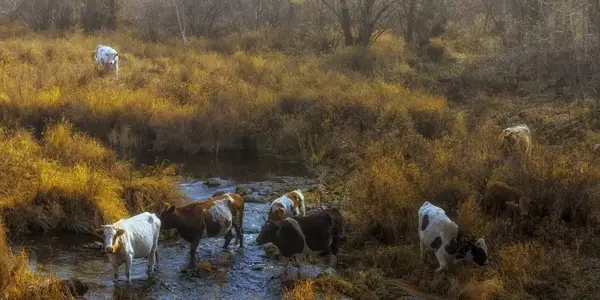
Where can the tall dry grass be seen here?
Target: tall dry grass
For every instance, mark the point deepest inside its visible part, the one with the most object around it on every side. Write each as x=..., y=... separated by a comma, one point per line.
x=370, y=118
x=69, y=181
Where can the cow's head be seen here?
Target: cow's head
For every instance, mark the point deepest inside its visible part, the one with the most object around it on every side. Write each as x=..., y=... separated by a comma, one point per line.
x=111, y=234
x=167, y=215
x=475, y=250
x=268, y=232
x=112, y=58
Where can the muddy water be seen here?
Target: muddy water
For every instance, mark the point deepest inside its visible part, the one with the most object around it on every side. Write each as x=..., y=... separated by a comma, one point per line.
x=232, y=274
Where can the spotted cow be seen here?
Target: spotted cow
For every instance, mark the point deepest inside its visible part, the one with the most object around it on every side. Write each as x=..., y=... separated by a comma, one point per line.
x=441, y=235
x=215, y=217
x=289, y=205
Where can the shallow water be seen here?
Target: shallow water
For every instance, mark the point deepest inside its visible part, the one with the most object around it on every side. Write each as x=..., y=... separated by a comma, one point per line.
x=234, y=274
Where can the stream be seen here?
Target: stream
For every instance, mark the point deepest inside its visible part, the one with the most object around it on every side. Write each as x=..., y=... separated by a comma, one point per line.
x=234, y=274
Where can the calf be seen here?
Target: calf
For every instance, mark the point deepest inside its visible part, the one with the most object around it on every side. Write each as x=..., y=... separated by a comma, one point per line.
x=288, y=205
x=132, y=238
x=211, y=218
x=440, y=234
x=107, y=57
x=317, y=232
x=497, y=193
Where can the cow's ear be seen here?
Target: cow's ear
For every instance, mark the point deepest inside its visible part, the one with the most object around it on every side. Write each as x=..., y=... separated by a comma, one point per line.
x=171, y=209
x=120, y=231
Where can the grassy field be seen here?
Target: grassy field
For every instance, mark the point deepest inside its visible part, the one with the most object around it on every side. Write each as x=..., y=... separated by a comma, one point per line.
x=375, y=122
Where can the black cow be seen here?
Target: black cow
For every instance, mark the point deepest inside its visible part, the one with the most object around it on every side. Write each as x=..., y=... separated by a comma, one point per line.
x=319, y=232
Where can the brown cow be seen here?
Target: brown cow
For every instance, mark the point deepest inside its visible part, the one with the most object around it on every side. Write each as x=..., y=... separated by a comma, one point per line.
x=211, y=218
x=497, y=193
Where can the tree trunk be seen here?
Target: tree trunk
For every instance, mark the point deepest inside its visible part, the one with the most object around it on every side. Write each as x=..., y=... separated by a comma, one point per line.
x=410, y=23
x=345, y=22
x=179, y=22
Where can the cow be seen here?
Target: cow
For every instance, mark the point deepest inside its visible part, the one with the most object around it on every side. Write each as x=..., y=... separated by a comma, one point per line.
x=440, y=234
x=107, y=57
x=319, y=232
x=132, y=238
x=215, y=217
x=516, y=140
x=497, y=193
x=596, y=148
x=289, y=205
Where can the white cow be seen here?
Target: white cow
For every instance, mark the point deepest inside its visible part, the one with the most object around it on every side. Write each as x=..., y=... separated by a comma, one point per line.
x=289, y=205
x=440, y=234
x=517, y=138
x=107, y=57
x=132, y=238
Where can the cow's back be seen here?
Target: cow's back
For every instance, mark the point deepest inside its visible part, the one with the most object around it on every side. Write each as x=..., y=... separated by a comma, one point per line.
x=289, y=240
x=218, y=218
x=318, y=229
x=434, y=223
x=140, y=231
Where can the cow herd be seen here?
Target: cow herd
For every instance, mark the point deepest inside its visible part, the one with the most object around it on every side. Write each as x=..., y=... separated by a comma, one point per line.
x=288, y=227
x=294, y=232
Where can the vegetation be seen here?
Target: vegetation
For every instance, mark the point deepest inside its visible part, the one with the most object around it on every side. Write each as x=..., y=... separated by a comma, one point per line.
x=392, y=120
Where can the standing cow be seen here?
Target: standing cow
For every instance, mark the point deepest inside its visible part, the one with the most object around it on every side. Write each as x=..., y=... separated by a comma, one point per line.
x=289, y=205
x=107, y=57
x=131, y=238
x=317, y=232
x=215, y=217
x=516, y=141
x=440, y=234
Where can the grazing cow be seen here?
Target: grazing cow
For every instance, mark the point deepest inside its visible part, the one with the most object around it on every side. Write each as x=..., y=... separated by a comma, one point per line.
x=596, y=148
x=497, y=193
x=215, y=217
x=441, y=235
x=107, y=57
x=288, y=205
x=298, y=236
x=516, y=140
x=132, y=238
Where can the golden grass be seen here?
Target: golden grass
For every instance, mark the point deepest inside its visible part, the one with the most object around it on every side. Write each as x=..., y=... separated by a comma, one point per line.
x=70, y=181
x=389, y=148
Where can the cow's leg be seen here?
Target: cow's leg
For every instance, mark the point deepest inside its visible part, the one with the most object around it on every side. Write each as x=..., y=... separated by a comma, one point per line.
x=193, y=248
x=115, y=271
x=228, y=238
x=128, y=264
x=422, y=248
x=298, y=266
x=239, y=235
x=441, y=257
x=156, y=259
x=285, y=267
x=151, y=261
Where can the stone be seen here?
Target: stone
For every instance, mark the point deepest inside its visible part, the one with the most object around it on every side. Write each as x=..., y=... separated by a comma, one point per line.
x=214, y=181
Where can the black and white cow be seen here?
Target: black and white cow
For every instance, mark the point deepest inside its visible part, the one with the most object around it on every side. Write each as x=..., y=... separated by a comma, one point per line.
x=440, y=234
x=318, y=232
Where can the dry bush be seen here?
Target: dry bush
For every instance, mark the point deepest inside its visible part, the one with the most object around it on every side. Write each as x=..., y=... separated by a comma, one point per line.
x=71, y=182
x=18, y=282
x=303, y=290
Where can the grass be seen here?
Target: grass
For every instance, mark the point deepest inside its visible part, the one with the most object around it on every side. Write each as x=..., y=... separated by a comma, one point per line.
x=65, y=181
x=372, y=119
